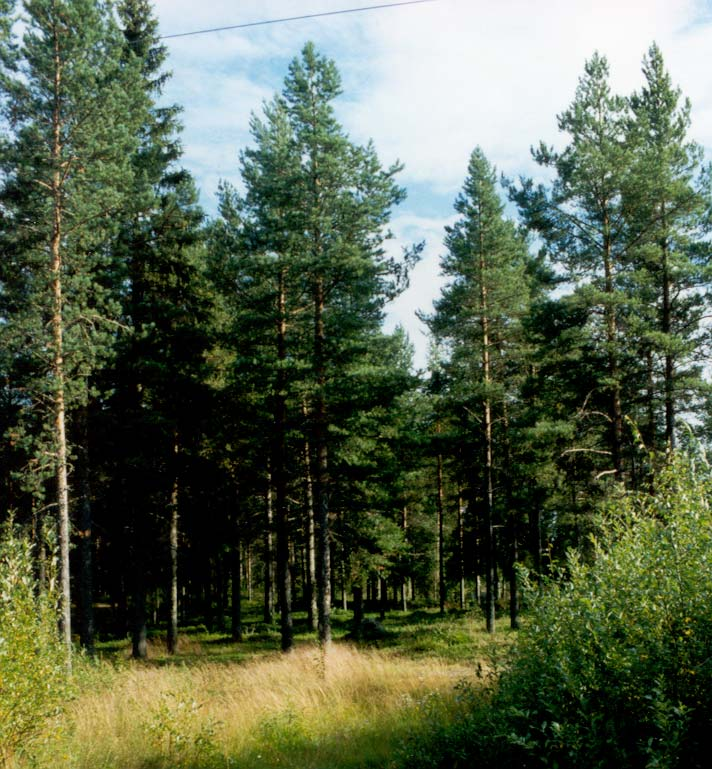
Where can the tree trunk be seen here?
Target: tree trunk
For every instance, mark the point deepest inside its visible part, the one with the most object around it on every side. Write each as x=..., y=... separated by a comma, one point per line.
x=236, y=580
x=86, y=540
x=616, y=409
x=268, y=556
x=139, y=646
x=312, y=609
x=461, y=549
x=321, y=517
x=172, y=640
x=490, y=576
x=667, y=330
x=358, y=611
x=404, y=581
x=513, y=525
x=279, y=475
x=58, y=372
x=441, y=536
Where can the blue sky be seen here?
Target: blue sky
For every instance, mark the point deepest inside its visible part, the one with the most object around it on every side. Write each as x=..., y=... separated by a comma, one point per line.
x=427, y=83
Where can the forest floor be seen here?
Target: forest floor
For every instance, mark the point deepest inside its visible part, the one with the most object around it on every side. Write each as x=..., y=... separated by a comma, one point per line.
x=224, y=705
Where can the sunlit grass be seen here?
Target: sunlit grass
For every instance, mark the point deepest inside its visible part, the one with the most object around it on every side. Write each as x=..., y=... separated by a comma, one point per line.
x=220, y=704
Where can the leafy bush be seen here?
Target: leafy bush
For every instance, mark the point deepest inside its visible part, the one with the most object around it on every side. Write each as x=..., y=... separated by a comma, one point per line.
x=32, y=665
x=614, y=667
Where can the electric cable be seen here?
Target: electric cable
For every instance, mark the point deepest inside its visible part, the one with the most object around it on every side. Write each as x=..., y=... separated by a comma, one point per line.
x=295, y=18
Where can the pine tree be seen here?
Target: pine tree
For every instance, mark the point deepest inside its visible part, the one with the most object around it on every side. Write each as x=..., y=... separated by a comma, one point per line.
x=665, y=202
x=582, y=222
x=478, y=317
x=72, y=105
x=343, y=198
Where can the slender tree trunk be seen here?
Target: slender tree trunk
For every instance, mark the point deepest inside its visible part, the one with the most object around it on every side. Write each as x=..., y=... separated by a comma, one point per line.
x=58, y=371
x=312, y=609
x=139, y=646
x=513, y=524
x=86, y=540
x=172, y=641
x=236, y=580
x=321, y=512
x=461, y=548
x=358, y=611
x=279, y=475
x=651, y=432
x=248, y=572
x=611, y=320
x=268, y=557
x=490, y=562
x=404, y=580
x=667, y=330
x=441, y=534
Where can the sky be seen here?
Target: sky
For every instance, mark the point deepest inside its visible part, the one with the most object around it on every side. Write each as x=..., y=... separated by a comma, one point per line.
x=427, y=83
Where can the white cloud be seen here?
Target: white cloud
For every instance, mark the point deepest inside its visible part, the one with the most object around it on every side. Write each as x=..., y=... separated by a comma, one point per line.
x=427, y=83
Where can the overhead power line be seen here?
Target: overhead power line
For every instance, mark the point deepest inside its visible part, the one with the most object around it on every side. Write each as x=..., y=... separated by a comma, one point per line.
x=295, y=18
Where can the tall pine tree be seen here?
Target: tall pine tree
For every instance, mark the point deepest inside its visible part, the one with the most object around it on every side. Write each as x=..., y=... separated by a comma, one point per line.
x=73, y=103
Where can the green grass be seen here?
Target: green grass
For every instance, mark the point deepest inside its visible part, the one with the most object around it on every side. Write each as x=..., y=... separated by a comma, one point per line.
x=245, y=705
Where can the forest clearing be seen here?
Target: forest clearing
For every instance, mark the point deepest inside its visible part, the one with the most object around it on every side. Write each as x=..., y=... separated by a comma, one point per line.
x=240, y=528
x=208, y=706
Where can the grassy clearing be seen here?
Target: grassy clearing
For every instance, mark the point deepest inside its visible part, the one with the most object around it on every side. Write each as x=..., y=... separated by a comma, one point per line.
x=240, y=705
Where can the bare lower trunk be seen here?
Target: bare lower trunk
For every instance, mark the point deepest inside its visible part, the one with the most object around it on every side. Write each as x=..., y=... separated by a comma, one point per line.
x=312, y=609
x=236, y=580
x=269, y=556
x=611, y=319
x=669, y=358
x=461, y=549
x=58, y=373
x=279, y=475
x=172, y=641
x=441, y=535
x=490, y=563
x=86, y=540
x=321, y=512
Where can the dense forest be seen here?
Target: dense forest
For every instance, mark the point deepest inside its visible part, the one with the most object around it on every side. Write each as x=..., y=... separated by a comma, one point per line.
x=197, y=409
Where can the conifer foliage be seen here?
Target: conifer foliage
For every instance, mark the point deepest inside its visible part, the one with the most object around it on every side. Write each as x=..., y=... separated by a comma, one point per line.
x=72, y=106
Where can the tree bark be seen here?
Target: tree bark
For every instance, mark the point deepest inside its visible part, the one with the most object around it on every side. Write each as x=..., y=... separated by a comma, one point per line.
x=172, y=640
x=312, y=608
x=441, y=535
x=321, y=518
x=58, y=370
x=611, y=320
x=461, y=549
x=279, y=474
x=86, y=539
x=667, y=330
x=268, y=556
x=490, y=564
x=236, y=582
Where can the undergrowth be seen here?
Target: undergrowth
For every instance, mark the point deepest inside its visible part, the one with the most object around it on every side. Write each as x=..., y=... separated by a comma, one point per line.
x=614, y=666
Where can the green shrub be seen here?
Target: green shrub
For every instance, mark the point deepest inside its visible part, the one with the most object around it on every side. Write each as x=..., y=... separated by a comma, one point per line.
x=32, y=664
x=614, y=666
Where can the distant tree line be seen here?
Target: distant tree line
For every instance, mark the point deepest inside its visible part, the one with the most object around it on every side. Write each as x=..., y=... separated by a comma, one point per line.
x=202, y=409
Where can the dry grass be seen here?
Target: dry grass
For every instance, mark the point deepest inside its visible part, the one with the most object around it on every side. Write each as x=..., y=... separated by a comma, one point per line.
x=304, y=710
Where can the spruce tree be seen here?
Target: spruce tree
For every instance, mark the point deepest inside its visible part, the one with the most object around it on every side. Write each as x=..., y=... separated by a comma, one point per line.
x=157, y=388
